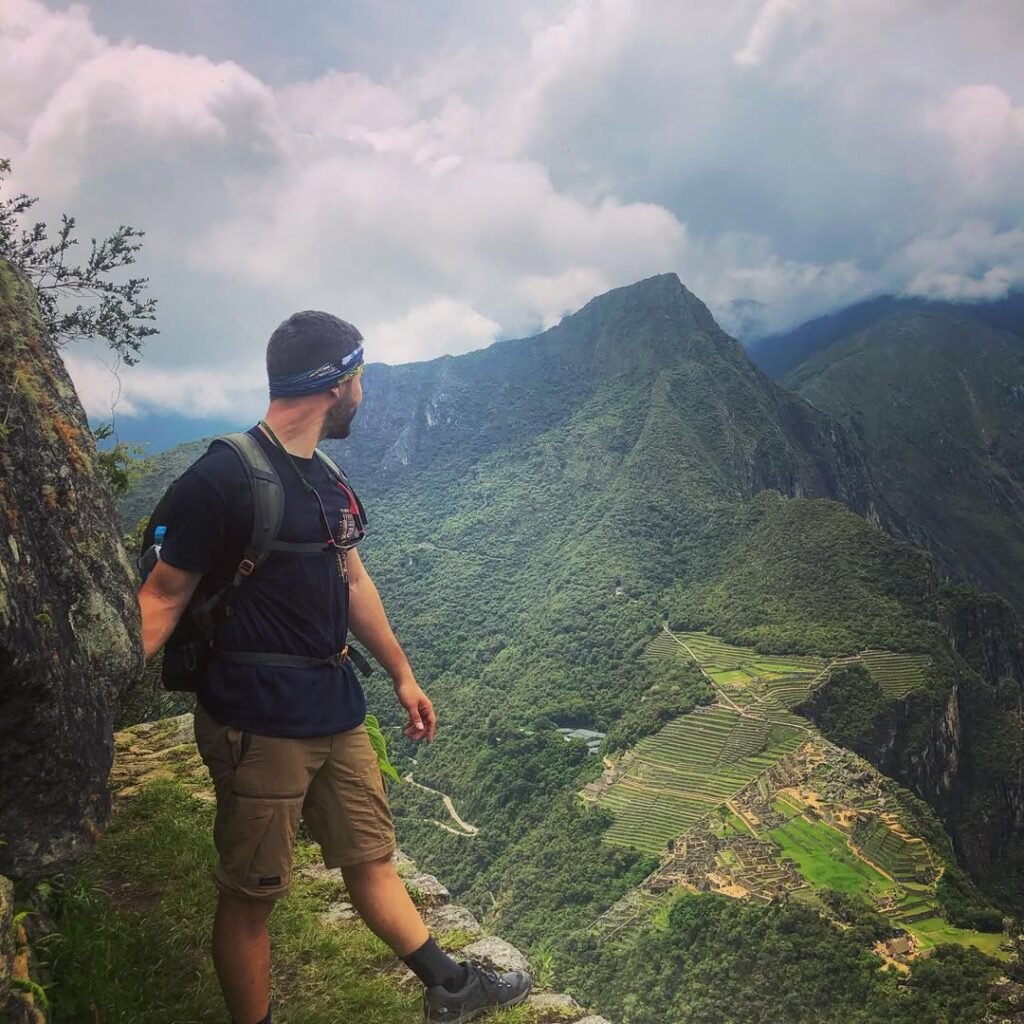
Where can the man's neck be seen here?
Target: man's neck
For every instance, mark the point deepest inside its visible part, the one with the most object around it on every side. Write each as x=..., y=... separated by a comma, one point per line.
x=295, y=430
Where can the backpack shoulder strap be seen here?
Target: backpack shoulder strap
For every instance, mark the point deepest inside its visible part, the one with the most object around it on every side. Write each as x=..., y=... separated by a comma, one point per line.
x=331, y=466
x=339, y=475
x=267, y=499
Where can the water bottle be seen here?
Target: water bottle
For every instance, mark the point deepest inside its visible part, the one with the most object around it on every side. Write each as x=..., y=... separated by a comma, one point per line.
x=152, y=554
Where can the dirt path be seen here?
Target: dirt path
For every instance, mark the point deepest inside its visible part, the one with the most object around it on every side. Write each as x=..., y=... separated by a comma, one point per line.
x=468, y=830
x=722, y=695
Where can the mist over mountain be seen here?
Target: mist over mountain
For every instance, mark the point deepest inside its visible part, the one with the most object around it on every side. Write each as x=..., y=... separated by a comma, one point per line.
x=779, y=353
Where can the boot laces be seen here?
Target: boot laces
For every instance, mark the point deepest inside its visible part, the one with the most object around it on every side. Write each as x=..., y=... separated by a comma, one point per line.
x=489, y=973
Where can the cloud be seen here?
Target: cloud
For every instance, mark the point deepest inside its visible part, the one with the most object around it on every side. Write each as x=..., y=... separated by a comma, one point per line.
x=470, y=180
x=770, y=24
x=975, y=262
x=986, y=132
x=212, y=390
x=440, y=327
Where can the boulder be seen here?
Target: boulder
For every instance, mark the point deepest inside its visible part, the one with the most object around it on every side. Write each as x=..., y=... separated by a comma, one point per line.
x=450, y=917
x=496, y=953
x=69, y=625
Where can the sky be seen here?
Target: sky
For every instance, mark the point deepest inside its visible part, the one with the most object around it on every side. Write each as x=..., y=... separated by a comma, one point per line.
x=446, y=174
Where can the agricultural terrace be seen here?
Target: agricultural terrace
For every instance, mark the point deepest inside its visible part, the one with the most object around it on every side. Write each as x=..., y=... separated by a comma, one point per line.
x=693, y=765
x=896, y=674
x=787, y=679
x=741, y=674
x=701, y=760
x=885, y=842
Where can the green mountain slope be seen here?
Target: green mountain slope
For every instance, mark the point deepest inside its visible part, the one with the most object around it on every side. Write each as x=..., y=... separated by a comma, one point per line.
x=937, y=402
x=779, y=354
x=541, y=509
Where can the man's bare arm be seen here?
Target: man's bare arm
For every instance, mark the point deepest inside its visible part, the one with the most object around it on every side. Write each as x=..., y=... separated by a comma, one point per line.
x=163, y=598
x=368, y=623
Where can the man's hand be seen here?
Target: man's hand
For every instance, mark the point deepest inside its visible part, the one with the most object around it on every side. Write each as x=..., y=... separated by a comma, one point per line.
x=422, y=720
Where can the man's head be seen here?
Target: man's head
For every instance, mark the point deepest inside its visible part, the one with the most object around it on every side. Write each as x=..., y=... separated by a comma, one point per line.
x=315, y=359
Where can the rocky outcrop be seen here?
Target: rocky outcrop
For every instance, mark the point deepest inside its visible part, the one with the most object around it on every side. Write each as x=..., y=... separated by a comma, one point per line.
x=166, y=750
x=69, y=633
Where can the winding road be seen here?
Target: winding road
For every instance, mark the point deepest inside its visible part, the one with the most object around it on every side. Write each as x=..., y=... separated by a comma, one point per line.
x=467, y=829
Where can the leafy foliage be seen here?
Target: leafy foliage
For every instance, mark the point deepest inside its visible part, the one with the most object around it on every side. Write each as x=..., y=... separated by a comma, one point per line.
x=717, y=960
x=380, y=747
x=848, y=707
x=114, y=309
x=122, y=464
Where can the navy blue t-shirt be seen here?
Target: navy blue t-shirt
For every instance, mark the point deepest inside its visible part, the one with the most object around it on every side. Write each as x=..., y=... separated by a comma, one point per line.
x=292, y=604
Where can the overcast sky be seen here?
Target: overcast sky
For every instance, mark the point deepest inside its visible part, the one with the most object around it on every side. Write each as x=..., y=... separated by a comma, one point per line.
x=446, y=173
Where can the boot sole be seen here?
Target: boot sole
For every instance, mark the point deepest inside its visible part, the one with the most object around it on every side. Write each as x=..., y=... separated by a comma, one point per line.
x=473, y=1014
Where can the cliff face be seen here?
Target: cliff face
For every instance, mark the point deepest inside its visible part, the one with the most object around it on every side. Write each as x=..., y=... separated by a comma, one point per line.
x=982, y=735
x=69, y=632
x=960, y=744
x=936, y=402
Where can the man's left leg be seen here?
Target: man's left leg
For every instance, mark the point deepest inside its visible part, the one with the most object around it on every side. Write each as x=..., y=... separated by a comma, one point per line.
x=385, y=905
x=347, y=811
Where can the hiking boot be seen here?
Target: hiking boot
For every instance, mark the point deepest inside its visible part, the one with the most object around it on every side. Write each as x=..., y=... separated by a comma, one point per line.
x=484, y=990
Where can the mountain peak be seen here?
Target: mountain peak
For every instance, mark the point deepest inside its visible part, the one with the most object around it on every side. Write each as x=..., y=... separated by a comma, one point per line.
x=650, y=324
x=661, y=294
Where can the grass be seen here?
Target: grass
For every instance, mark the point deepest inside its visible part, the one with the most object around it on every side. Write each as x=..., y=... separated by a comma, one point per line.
x=934, y=931
x=135, y=926
x=787, y=805
x=823, y=858
x=734, y=677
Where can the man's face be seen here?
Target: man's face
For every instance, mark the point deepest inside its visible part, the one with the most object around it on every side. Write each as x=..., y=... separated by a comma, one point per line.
x=338, y=422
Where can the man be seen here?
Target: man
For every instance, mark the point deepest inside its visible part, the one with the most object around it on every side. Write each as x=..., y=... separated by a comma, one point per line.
x=282, y=739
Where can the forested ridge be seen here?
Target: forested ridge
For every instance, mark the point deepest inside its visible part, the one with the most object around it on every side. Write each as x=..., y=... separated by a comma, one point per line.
x=538, y=512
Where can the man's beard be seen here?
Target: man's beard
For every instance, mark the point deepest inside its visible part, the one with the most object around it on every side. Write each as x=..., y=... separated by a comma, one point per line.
x=338, y=421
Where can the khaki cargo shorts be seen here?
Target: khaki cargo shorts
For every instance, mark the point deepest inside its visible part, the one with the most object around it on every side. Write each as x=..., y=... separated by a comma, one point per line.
x=263, y=785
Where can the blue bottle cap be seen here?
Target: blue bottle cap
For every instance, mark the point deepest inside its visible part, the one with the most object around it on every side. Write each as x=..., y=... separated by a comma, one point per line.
x=159, y=533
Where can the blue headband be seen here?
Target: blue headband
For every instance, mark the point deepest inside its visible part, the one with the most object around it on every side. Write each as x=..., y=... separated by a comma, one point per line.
x=309, y=382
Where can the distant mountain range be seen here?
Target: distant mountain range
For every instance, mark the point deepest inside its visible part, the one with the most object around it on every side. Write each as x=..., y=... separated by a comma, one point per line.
x=155, y=432
x=542, y=510
x=780, y=353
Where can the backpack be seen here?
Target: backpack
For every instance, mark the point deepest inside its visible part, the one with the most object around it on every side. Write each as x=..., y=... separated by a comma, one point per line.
x=190, y=647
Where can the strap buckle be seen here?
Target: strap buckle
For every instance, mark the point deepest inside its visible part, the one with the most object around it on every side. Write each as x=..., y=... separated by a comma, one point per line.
x=246, y=567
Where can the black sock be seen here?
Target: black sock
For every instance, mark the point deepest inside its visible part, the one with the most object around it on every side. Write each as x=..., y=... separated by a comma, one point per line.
x=265, y=1020
x=433, y=966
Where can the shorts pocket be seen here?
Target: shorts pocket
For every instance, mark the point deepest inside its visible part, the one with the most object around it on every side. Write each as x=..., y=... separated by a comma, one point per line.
x=256, y=845
x=238, y=743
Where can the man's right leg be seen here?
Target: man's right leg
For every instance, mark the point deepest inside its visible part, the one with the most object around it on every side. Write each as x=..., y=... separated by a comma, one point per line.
x=241, y=955
x=261, y=782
